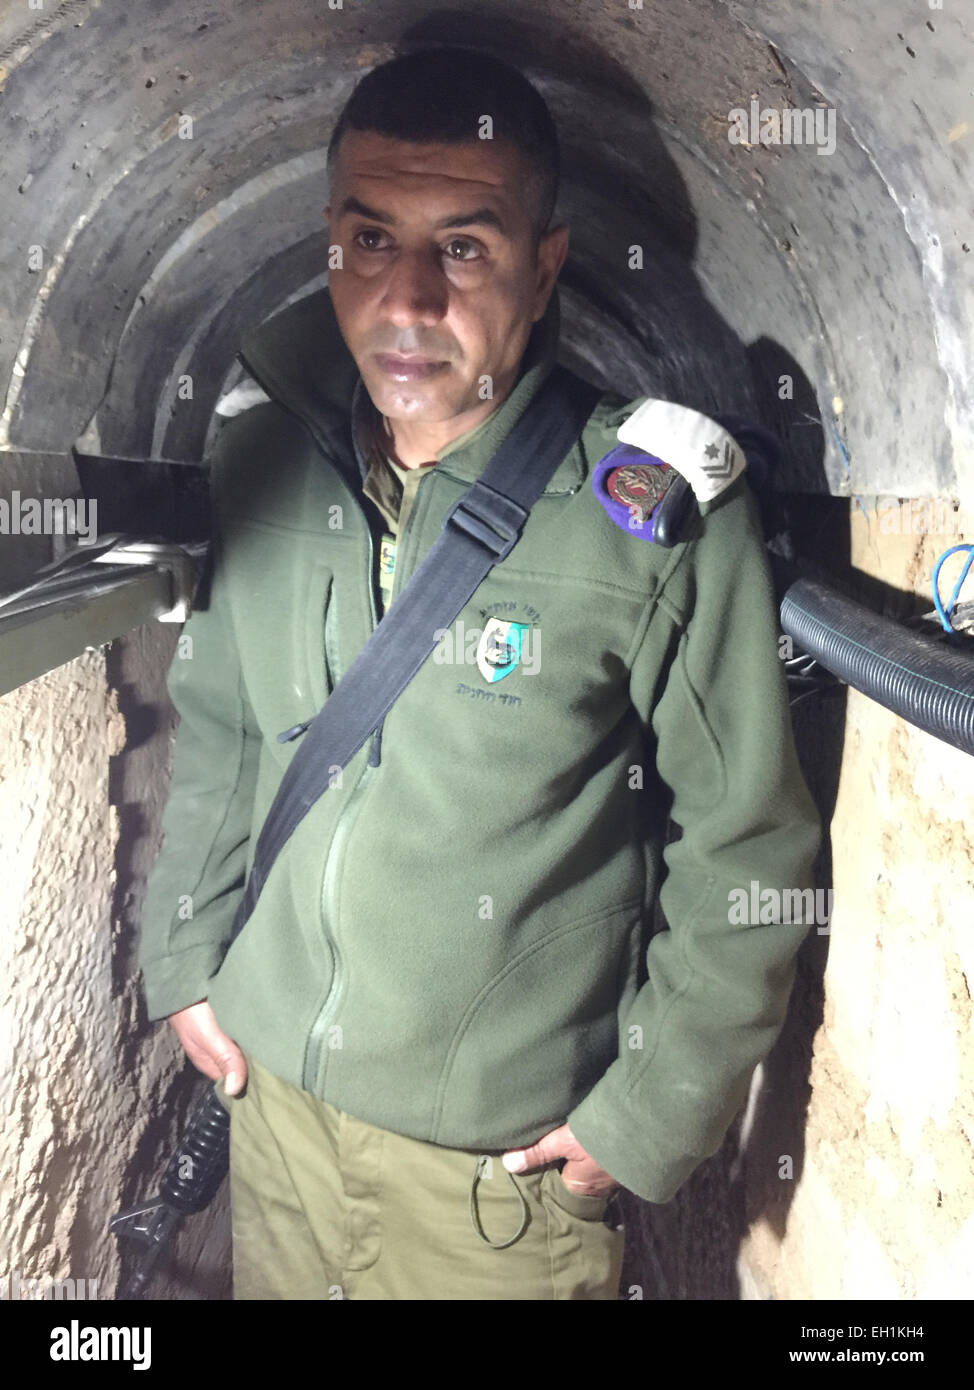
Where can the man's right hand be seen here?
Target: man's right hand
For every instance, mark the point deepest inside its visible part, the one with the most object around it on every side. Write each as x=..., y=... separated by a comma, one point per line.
x=208, y=1047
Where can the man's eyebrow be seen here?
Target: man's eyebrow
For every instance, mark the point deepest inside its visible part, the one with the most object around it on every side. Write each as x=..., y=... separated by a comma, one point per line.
x=480, y=217
x=483, y=217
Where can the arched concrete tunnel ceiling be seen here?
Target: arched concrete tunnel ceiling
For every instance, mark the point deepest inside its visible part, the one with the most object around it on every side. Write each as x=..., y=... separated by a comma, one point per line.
x=163, y=166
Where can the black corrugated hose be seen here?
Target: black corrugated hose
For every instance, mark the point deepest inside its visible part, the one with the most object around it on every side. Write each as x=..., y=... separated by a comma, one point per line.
x=915, y=676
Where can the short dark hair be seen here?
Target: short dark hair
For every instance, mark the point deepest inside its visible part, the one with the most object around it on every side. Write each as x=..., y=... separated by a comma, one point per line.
x=440, y=95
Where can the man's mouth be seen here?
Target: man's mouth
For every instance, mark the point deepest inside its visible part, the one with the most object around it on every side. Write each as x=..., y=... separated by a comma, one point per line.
x=408, y=367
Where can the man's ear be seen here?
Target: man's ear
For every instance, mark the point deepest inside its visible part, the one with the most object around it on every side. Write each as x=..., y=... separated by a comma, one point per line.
x=552, y=250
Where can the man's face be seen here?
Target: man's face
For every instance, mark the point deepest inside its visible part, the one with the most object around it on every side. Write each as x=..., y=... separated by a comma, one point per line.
x=440, y=284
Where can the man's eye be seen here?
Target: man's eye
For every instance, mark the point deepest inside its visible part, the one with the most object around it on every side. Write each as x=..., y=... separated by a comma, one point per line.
x=368, y=232
x=465, y=246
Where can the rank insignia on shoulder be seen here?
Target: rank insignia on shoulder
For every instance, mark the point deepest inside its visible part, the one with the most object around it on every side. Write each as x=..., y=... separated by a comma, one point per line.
x=706, y=454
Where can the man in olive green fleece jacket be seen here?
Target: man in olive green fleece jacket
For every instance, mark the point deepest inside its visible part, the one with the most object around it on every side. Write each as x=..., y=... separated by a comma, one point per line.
x=454, y=943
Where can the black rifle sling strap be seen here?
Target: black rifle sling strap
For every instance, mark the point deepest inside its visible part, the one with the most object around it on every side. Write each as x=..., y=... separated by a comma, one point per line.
x=480, y=529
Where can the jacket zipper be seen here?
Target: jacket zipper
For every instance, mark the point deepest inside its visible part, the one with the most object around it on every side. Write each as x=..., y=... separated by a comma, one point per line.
x=329, y=887
x=316, y=1037
x=314, y=1044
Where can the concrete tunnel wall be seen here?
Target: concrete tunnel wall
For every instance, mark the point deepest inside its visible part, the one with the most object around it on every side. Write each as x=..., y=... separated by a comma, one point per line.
x=138, y=243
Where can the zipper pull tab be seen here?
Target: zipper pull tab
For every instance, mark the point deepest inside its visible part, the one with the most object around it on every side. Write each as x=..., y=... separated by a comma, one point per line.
x=293, y=732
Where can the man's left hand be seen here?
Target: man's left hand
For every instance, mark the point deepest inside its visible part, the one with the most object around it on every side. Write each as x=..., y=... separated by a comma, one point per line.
x=580, y=1174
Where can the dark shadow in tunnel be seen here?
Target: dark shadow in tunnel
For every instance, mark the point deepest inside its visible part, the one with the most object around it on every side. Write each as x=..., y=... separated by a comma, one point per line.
x=664, y=338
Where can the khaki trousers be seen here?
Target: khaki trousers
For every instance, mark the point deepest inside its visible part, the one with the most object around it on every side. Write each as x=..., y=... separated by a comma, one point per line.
x=326, y=1206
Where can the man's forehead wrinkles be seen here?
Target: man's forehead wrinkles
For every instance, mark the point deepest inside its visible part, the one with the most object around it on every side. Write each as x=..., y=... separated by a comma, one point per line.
x=366, y=171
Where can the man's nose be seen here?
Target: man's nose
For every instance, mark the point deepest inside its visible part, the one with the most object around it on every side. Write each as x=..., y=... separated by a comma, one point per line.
x=416, y=290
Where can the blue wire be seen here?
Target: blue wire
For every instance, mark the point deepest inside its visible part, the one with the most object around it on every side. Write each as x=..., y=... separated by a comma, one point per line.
x=944, y=616
x=848, y=468
x=963, y=575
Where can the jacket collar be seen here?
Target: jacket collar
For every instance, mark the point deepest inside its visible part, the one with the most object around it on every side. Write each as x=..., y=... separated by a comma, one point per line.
x=301, y=360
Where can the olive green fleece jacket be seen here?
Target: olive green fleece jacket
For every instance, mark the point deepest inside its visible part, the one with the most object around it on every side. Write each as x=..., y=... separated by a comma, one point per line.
x=455, y=942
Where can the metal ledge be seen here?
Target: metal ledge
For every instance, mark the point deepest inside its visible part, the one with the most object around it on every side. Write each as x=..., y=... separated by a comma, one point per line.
x=60, y=615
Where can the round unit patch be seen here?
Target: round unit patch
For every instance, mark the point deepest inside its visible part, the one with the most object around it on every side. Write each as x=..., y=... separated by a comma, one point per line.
x=639, y=486
x=630, y=484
